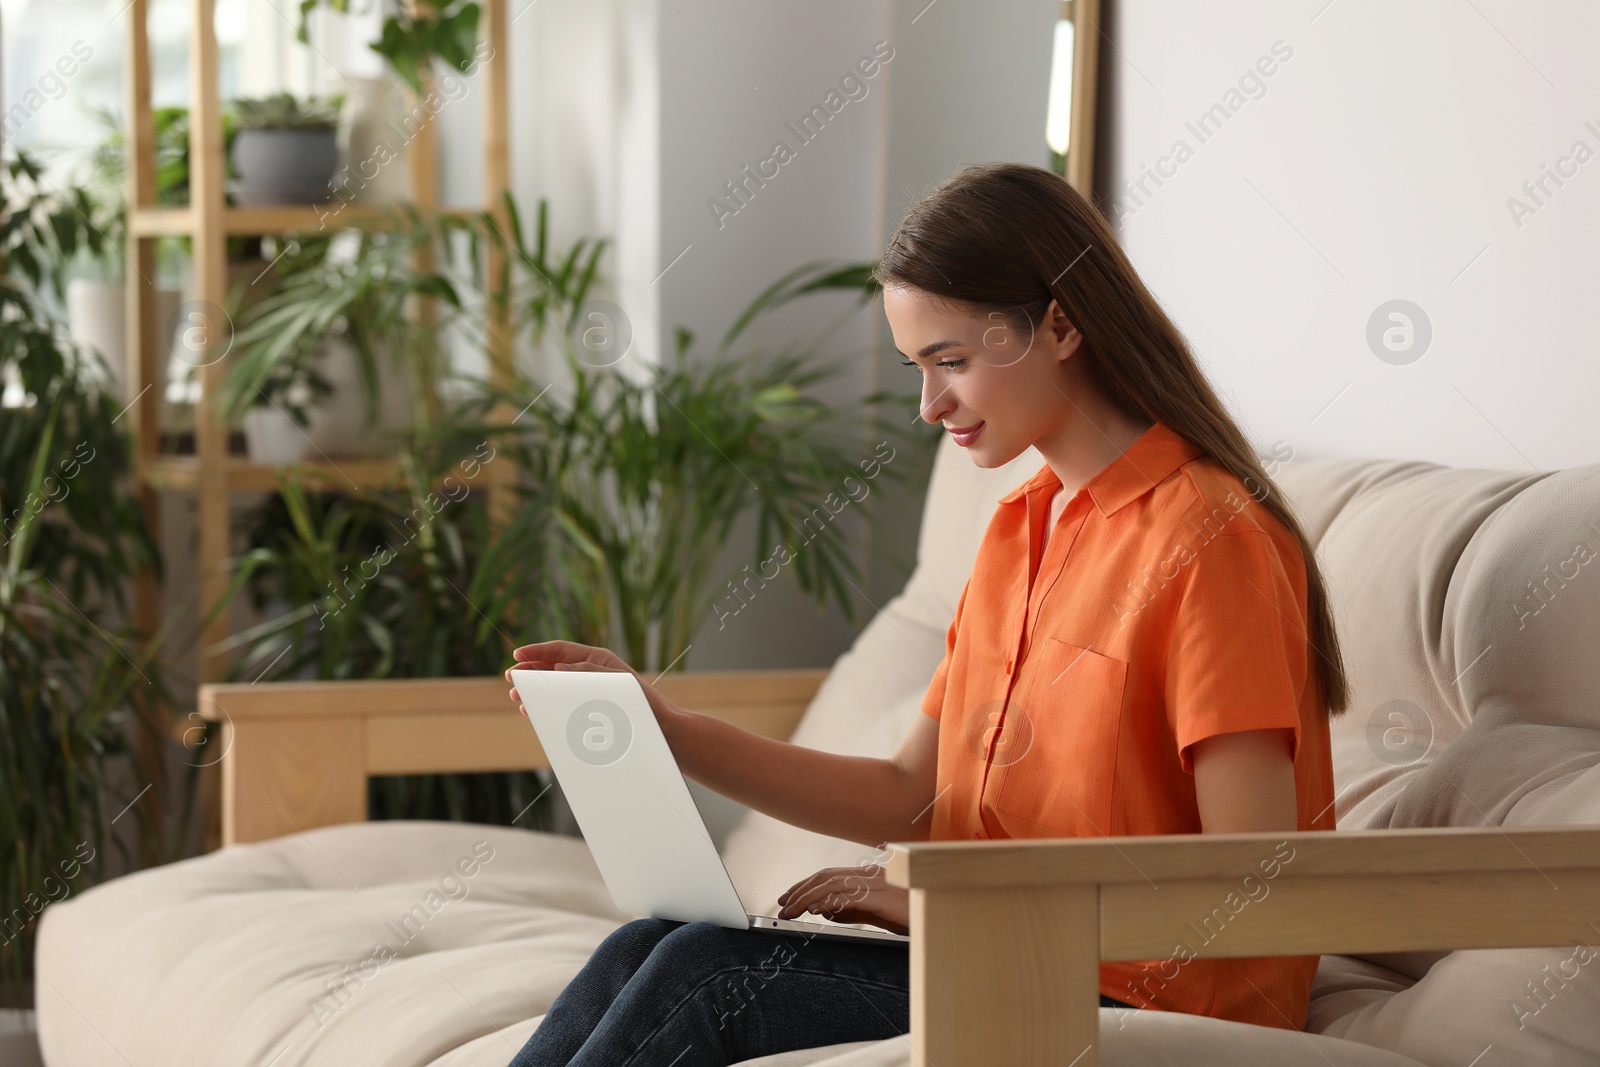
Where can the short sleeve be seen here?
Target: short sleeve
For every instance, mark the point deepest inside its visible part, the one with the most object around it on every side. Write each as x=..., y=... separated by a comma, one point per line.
x=933, y=699
x=1237, y=660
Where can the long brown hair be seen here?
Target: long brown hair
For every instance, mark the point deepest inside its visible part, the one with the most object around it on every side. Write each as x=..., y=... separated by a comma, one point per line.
x=1009, y=238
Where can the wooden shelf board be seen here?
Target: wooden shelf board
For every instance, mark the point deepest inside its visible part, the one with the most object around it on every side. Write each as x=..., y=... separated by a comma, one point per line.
x=182, y=473
x=286, y=218
x=160, y=222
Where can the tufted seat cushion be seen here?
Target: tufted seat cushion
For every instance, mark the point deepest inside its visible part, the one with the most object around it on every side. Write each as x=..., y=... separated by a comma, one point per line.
x=365, y=943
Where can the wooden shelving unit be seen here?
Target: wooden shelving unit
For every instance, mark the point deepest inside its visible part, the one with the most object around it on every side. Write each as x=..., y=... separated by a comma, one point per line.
x=211, y=474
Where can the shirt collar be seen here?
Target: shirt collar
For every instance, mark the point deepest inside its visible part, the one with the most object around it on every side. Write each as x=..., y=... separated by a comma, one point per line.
x=1146, y=463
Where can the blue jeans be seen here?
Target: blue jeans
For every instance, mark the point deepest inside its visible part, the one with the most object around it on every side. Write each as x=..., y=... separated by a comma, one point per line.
x=660, y=993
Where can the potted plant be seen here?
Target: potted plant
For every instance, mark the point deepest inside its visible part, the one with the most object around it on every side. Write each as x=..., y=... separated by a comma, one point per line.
x=96, y=297
x=353, y=293
x=275, y=426
x=286, y=149
x=347, y=297
x=611, y=538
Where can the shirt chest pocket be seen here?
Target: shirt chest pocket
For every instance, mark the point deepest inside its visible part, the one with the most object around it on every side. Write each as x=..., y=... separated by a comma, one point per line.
x=1060, y=783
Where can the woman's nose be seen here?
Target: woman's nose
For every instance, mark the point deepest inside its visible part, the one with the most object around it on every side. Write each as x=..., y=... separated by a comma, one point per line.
x=936, y=398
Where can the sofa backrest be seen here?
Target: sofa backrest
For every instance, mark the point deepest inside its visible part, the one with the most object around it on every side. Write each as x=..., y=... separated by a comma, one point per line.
x=1468, y=609
x=1467, y=604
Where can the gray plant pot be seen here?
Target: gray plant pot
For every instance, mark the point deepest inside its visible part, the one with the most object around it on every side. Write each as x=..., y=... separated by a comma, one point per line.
x=284, y=166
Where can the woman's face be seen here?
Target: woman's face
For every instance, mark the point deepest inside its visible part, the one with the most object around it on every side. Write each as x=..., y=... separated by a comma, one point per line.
x=978, y=372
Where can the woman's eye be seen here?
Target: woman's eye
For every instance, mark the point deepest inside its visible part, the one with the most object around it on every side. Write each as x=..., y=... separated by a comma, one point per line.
x=942, y=363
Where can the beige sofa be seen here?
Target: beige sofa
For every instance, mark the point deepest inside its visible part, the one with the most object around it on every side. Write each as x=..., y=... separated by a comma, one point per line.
x=1469, y=608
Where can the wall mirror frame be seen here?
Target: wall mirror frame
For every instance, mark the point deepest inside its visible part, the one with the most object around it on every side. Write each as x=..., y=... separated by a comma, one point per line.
x=1080, y=71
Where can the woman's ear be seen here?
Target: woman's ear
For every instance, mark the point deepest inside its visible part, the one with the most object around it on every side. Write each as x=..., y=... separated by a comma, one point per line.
x=1062, y=330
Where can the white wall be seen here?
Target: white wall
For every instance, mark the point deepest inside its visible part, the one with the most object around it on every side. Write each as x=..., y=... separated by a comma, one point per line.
x=1375, y=163
x=735, y=81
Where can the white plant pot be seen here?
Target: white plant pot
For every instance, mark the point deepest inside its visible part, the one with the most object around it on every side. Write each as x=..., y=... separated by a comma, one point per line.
x=272, y=437
x=97, y=319
x=339, y=423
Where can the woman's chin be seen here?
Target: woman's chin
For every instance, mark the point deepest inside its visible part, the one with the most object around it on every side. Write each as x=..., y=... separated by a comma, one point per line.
x=983, y=455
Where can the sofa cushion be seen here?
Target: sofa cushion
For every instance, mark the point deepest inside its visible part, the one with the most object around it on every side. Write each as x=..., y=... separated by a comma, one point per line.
x=1467, y=603
x=362, y=943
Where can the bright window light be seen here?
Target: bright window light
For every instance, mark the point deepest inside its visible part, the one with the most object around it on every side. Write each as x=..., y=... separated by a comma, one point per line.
x=1058, y=121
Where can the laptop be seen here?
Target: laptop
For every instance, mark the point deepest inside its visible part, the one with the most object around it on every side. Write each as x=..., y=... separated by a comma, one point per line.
x=635, y=810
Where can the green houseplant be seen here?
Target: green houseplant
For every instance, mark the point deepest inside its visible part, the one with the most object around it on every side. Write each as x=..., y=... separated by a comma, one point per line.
x=274, y=427
x=96, y=296
x=359, y=295
x=341, y=574
x=649, y=472
x=404, y=582
x=76, y=685
x=106, y=179
x=355, y=289
x=415, y=35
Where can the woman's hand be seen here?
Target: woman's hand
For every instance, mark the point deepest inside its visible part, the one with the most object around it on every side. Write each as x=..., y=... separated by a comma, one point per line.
x=850, y=895
x=571, y=656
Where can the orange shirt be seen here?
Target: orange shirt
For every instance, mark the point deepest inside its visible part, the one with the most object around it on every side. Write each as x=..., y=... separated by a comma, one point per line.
x=1166, y=607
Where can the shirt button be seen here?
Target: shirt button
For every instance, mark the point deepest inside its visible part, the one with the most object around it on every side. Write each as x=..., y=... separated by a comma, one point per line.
x=1008, y=666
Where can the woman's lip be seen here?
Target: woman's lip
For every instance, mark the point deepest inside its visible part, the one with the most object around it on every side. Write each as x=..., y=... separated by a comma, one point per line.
x=964, y=438
x=963, y=430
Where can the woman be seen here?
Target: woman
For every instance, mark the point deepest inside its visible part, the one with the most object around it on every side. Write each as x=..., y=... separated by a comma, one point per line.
x=1143, y=646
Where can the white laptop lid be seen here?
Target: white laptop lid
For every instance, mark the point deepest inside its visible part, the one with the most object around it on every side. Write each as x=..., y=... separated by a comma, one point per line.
x=628, y=796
